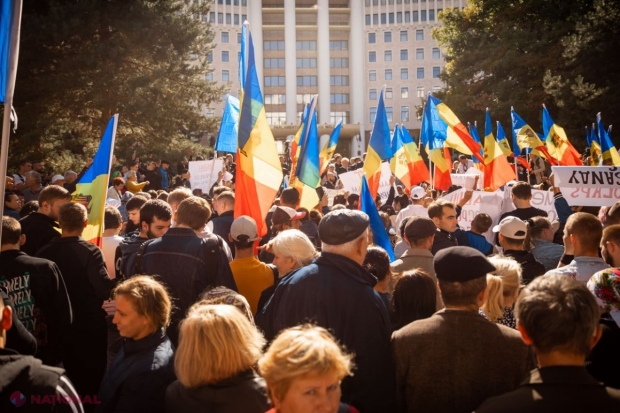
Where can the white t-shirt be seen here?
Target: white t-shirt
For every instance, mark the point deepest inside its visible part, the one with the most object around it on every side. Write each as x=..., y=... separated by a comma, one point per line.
x=462, y=169
x=410, y=211
x=108, y=248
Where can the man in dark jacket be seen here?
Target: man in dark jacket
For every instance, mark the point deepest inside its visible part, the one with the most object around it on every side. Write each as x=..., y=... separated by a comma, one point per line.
x=185, y=263
x=37, y=285
x=24, y=380
x=512, y=232
x=144, y=367
x=336, y=292
x=444, y=216
x=86, y=277
x=224, y=205
x=40, y=227
x=445, y=363
x=558, y=317
x=153, y=176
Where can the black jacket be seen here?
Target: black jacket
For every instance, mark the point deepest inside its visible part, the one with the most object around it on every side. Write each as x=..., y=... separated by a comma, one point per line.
x=23, y=378
x=337, y=293
x=126, y=253
x=39, y=230
x=245, y=392
x=18, y=336
x=43, y=305
x=603, y=363
x=530, y=266
x=443, y=239
x=563, y=389
x=221, y=227
x=137, y=380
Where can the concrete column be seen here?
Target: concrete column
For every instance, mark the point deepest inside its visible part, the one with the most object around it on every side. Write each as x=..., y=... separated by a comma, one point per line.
x=322, y=48
x=255, y=18
x=357, y=74
x=290, y=71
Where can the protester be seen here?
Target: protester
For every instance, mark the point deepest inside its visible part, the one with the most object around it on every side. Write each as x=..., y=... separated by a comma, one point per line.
x=540, y=234
x=24, y=377
x=214, y=370
x=602, y=363
x=558, y=317
x=336, y=292
x=116, y=190
x=58, y=180
x=144, y=367
x=464, y=165
x=511, y=234
x=225, y=208
x=112, y=225
x=33, y=186
x=303, y=358
x=155, y=218
x=20, y=177
x=285, y=218
x=185, y=278
x=251, y=275
x=503, y=286
x=27, y=209
x=40, y=227
x=402, y=245
x=83, y=270
x=445, y=363
x=414, y=298
x=582, y=237
x=12, y=205
x=475, y=236
x=152, y=176
x=42, y=303
x=612, y=216
x=377, y=262
x=537, y=173
x=443, y=214
x=131, y=183
x=416, y=209
x=521, y=194
x=309, y=227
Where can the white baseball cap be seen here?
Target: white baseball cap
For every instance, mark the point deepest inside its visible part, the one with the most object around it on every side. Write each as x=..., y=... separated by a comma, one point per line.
x=244, y=225
x=417, y=192
x=511, y=227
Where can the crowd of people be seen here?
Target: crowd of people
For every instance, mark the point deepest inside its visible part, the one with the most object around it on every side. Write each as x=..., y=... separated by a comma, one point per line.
x=187, y=308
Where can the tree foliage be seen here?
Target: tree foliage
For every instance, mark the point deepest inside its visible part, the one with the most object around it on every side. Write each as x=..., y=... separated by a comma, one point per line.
x=523, y=53
x=83, y=61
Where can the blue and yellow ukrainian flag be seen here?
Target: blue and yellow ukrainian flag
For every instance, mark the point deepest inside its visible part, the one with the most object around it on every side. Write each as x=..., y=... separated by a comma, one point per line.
x=259, y=172
x=92, y=188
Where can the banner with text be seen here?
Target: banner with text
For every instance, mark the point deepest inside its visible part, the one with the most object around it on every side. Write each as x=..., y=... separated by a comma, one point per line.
x=588, y=185
x=480, y=203
x=352, y=180
x=203, y=174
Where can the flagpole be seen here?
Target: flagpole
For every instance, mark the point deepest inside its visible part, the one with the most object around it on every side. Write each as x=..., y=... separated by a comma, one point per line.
x=8, y=98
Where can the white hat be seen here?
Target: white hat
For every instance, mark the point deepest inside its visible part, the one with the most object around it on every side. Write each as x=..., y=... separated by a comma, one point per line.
x=57, y=178
x=244, y=225
x=511, y=227
x=417, y=192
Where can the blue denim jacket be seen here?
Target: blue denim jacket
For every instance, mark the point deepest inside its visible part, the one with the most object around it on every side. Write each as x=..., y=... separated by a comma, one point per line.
x=582, y=268
x=547, y=252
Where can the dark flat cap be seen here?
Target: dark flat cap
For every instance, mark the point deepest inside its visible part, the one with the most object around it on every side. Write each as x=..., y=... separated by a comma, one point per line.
x=461, y=264
x=341, y=226
x=419, y=228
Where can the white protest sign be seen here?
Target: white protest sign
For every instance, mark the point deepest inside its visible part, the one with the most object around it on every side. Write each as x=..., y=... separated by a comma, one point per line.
x=203, y=174
x=588, y=185
x=480, y=202
x=331, y=193
x=540, y=199
x=466, y=180
x=351, y=181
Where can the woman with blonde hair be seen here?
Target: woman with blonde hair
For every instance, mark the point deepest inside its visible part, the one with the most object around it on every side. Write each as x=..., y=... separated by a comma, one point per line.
x=292, y=249
x=217, y=348
x=502, y=290
x=303, y=368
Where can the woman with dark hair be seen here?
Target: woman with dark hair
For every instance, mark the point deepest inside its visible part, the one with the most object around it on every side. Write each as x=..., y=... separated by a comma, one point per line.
x=377, y=262
x=12, y=205
x=414, y=298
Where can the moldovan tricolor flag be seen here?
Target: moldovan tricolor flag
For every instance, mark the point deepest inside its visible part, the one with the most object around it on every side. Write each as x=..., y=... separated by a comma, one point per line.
x=330, y=147
x=259, y=172
x=399, y=164
x=92, y=188
x=525, y=137
x=497, y=170
x=379, y=148
x=609, y=151
x=432, y=134
x=557, y=143
x=596, y=156
x=418, y=171
x=380, y=236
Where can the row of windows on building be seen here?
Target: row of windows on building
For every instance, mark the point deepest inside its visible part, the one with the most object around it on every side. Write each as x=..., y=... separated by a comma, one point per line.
x=229, y=18
x=404, y=55
x=391, y=2
x=279, y=118
x=243, y=2
x=404, y=73
x=389, y=111
x=303, y=44
x=280, y=99
x=278, y=81
x=404, y=36
x=400, y=17
x=404, y=92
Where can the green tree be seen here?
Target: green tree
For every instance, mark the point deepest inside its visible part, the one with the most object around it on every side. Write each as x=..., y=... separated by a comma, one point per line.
x=523, y=53
x=83, y=61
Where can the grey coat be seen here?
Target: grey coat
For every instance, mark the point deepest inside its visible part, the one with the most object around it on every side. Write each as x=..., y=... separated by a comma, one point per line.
x=455, y=360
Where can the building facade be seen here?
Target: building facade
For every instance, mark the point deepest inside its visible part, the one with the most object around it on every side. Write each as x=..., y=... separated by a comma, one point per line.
x=344, y=51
